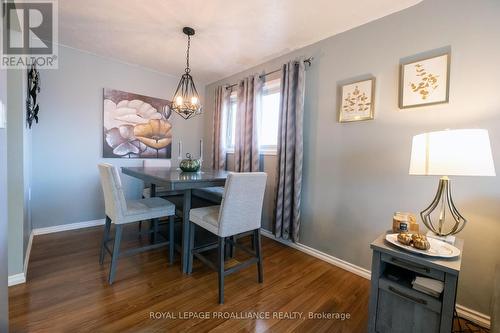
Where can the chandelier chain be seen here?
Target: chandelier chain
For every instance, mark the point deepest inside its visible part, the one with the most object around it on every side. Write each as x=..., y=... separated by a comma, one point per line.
x=187, y=55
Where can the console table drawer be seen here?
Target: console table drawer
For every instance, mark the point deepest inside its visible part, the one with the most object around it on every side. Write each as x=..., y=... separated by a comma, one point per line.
x=414, y=267
x=411, y=295
x=401, y=311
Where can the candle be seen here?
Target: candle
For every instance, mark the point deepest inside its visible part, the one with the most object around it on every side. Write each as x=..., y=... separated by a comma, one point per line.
x=180, y=151
x=201, y=150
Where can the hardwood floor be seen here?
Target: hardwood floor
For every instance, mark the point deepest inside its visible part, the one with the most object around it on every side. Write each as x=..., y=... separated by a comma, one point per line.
x=67, y=291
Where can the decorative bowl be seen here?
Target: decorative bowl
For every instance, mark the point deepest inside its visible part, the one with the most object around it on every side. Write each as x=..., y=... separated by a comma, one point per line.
x=189, y=165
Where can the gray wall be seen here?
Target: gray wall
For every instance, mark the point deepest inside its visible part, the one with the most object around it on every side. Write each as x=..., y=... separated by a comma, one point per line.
x=356, y=175
x=4, y=305
x=67, y=143
x=16, y=166
x=27, y=169
x=19, y=168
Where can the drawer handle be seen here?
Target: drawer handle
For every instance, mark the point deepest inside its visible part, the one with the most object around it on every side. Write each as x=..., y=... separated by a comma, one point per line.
x=411, y=266
x=410, y=297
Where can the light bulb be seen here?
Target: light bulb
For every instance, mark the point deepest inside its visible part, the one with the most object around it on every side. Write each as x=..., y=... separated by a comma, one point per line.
x=194, y=100
x=178, y=100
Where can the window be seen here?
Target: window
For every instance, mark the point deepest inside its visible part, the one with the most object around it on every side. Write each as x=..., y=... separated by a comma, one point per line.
x=267, y=118
x=231, y=121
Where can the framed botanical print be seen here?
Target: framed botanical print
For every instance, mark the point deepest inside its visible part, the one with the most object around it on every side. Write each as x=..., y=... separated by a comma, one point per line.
x=357, y=101
x=424, y=82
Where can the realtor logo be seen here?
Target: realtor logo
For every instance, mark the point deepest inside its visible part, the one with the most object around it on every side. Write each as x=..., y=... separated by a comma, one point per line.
x=29, y=34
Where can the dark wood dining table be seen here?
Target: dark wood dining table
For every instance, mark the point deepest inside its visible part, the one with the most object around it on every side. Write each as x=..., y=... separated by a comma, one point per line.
x=173, y=179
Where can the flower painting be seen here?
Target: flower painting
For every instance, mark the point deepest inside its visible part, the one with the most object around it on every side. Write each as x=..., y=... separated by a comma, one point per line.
x=357, y=101
x=136, y=126
x=424, y=82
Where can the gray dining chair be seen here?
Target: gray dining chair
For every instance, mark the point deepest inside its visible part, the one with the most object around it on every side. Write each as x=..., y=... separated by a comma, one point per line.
x=159, y=191
x=240, y=211
x=120, y=211
x=212, y=194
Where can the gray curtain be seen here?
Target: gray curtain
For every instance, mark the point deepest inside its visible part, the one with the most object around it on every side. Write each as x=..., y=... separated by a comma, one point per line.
x=246, y=148
x=218, y=152
x=290, y=151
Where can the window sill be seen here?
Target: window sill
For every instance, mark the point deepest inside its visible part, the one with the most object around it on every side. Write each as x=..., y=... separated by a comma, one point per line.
x=271, y=152
x=266, y=152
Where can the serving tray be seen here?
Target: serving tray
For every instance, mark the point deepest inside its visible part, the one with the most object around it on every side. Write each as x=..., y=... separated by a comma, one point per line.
x=438, y=248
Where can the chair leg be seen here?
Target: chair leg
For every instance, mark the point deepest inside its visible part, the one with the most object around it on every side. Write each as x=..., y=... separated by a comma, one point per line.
x=254, y=240
x=171, y=238
x=220, y=266
x=140, y=224
x=116, y=253
x=105, y=238
x=154, y=228
x=192, y=228
x=258, y=252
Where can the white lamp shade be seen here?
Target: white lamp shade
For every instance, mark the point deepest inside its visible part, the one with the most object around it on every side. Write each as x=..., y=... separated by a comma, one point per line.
x=464, y=152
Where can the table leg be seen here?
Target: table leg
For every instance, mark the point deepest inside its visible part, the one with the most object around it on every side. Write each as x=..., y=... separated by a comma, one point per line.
x=152, y=233
x=152, y=189
x=185, y=229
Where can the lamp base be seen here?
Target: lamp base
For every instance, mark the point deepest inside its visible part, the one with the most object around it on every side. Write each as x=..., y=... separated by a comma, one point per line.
x=443, y=199
x=450, y=239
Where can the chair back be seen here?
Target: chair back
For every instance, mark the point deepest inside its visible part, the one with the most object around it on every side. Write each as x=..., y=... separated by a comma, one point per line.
x=241, y=206
x=114, y=198
x=156, y=162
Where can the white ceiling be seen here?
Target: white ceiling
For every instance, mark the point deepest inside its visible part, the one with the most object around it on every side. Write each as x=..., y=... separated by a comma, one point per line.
x=231, y=35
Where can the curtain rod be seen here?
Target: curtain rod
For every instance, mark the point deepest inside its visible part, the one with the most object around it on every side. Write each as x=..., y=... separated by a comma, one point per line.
x=306, y=61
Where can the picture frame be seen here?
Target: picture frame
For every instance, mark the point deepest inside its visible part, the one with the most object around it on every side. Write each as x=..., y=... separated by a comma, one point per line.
x=425, y=81
x=136, y=126
x=356, y=101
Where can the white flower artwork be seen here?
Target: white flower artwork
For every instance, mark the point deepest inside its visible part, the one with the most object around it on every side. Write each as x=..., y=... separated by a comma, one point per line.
x=424, y=82
x=357, y=101
x=136, y=126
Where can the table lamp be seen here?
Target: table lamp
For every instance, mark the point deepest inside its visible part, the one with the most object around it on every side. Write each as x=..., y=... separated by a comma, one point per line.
x=463, y=152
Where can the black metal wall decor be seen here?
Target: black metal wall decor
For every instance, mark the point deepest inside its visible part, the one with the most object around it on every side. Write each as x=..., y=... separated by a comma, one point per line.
x=32, y=107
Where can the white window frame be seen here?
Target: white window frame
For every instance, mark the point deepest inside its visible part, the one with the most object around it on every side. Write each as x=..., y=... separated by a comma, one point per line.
x=270, y=86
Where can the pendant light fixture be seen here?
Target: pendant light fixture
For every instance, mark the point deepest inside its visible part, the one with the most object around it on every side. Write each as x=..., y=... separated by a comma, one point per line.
x=186, y=101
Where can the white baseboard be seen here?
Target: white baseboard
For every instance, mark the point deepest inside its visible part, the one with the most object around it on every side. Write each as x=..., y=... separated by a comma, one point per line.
x=464, y=312
x=21, y=277
x=27, y=257
x=66, y=227
x=476, y=317
x=321, y=255
x=16, y=279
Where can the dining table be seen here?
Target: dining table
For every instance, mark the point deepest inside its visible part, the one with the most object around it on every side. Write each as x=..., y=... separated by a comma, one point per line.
x=173, y=179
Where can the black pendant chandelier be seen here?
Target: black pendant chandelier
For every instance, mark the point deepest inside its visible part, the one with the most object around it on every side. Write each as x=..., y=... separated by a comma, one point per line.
x=186, y=101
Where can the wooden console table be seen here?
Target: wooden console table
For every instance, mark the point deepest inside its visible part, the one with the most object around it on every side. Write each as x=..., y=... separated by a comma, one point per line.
x=395, y=306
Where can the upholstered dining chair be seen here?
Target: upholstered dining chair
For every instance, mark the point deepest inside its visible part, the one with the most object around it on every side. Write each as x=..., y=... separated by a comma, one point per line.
x=156, y=163
x=240, y=211
x=161, y=192
x=212, y=194
x=120, y=211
